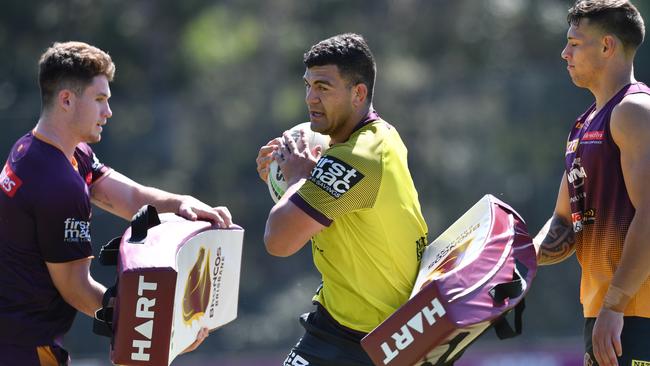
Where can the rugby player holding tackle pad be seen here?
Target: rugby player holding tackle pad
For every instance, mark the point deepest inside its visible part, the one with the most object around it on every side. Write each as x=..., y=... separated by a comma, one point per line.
x=48, y=182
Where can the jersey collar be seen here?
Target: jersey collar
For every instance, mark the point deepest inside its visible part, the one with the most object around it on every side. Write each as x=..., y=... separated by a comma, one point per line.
x=371, y=116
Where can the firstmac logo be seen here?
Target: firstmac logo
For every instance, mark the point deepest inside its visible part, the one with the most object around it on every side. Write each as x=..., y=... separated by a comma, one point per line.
x=334, y=176
x=76, y=231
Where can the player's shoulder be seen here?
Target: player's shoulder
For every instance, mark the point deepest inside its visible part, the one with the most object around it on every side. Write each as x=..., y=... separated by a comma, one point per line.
x=640, y=99
x=631, y=117
x=42, y=163
x=633, y=109
x=31, y=156
x=365, y=143
x=363, y=152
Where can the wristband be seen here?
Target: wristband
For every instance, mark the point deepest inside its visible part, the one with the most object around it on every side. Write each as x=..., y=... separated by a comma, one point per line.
x=616, y=299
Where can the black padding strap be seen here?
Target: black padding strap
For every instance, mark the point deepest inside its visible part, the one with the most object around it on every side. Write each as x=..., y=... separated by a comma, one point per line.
x=143, y=220
x=503, y=328
x=511, y=290
x=103, y=322
x=453, y=344
x=110, y=252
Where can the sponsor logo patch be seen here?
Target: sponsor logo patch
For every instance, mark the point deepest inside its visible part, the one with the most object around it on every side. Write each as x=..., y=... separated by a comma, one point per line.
x=576, y=218
x=577, y=174
x=9, y=181
x=295, y=359
x=580, y=219
x=640, y=363
x=76, y=231
x=577, y=197
x=593, y=137
x=571, y=146
x=420, y=245
x=589, y=216
x=334, y=176
x=96, y=163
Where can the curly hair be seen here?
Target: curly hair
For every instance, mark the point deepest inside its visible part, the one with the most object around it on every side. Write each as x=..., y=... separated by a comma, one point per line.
x=351, y=54
x=618, y=17
x=71, y=65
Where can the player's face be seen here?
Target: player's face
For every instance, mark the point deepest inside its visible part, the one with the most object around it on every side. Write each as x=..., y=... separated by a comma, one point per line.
x=92, y=111
x=329, y=101
x=583, y=54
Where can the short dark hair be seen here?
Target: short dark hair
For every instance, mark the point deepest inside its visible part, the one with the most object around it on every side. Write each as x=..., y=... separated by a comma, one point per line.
x=618, y=17
x=350, y=53
x=71, y=65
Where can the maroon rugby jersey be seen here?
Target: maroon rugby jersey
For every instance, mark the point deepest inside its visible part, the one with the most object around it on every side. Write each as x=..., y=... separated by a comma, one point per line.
x=45, y=214
x=601, y=209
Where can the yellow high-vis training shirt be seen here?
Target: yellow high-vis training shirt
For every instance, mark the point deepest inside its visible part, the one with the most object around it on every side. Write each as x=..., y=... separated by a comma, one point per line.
x=369, y=253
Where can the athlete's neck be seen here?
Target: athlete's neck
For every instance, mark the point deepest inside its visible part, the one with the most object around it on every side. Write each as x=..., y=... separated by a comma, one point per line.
x=611, y=83
x=354, y=118
x=56, y=135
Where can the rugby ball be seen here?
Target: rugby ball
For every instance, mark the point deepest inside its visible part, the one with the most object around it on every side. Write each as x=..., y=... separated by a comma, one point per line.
x=276, y=183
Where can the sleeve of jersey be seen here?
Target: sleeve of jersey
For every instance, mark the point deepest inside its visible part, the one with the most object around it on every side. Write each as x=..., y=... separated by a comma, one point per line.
x=340, y=183
x=63, y=226
x=98, y=169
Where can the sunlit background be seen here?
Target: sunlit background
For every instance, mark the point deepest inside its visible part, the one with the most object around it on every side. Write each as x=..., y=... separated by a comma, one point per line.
x=477, y=90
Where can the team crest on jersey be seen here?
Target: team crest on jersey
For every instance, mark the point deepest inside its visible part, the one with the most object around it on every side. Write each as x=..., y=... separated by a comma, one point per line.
x=571, y=146
x=76, y=231
x=9, y=181
x=334, y=176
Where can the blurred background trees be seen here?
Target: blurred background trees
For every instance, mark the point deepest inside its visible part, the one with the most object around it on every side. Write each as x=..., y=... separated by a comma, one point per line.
x=477, y=90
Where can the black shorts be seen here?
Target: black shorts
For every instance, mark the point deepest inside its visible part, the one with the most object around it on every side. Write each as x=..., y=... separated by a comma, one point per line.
x=327, y=343
x=634, y=340
x=53, y=355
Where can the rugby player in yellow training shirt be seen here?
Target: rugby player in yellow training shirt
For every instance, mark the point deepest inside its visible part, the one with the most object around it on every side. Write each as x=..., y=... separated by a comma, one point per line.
x=357, y=203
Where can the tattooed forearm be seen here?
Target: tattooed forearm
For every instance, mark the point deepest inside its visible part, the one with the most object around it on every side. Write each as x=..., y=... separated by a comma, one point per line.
x=556, y=242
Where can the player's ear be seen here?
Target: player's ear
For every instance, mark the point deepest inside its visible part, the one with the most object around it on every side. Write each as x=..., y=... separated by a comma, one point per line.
x=609, y=44
x=359, y=94
x=65, y=99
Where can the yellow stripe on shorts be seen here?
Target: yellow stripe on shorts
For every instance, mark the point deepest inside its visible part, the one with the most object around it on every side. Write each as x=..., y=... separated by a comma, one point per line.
x=46, y=357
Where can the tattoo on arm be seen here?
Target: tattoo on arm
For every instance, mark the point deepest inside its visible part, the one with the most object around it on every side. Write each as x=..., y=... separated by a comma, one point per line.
x=558, y=242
